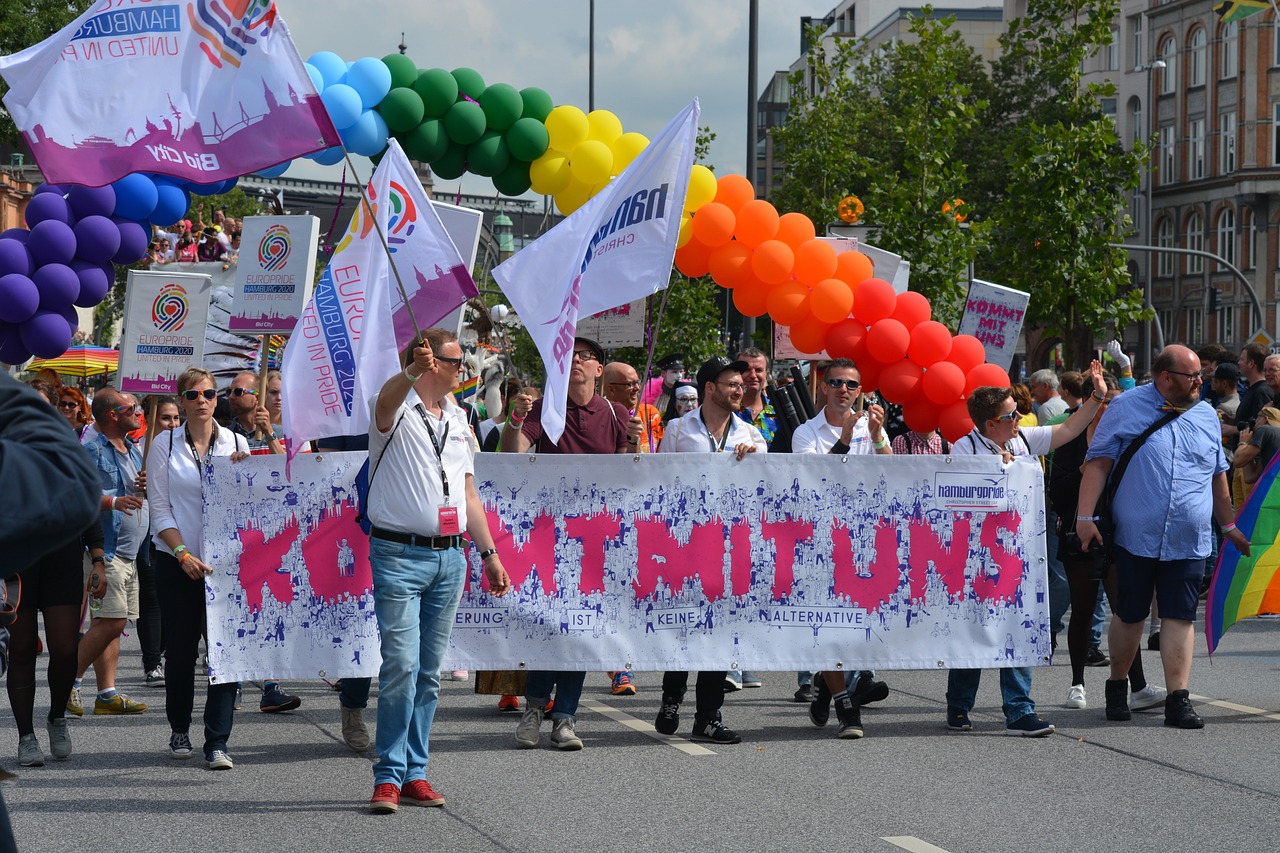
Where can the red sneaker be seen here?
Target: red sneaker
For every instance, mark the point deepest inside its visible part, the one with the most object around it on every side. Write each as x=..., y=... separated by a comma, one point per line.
x=509, y=704
x=420, y=793
x=386, y=798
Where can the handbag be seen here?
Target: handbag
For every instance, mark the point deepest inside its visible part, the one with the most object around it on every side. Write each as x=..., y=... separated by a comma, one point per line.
x=1106, y=523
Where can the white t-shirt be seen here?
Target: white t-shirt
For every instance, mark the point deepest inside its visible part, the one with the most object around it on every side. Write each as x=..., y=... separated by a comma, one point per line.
x=688, y=434
x=406, y=490
x=1030, y=441
x=175, y=488
x=816, y=435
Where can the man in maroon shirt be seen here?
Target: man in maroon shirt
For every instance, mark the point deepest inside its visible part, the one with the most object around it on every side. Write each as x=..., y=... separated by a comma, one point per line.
x=592, y=425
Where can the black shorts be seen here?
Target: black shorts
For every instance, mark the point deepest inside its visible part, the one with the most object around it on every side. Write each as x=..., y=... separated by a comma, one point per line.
x=1175, y=584
x=55, y=579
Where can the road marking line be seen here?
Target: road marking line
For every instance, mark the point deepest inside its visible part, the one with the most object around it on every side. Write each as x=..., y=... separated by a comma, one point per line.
x=913, y=844
x=644, y=728
x=1241, y=709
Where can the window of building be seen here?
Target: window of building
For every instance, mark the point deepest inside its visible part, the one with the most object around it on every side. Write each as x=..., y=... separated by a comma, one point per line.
x=1195, y=242
x=1135, y=120
x=1137, y=45
x=1246, y=239
x=1112, y=51
x=1197, y=57
x=1169, y=75
x=1164, y=239
x=1275, y=132
x=1227, y=325
x=1195, y=153
x=1195, y=326
x=1227, y=142
x=1229, y=51
x=1227, y=236
x=1165, y=315
x=1168, y=155
x=1109, y=109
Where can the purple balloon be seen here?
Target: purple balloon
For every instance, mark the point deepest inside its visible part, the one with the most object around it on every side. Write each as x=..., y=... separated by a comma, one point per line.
x=95, y=282
x=22, y=235
x=12, y=350
x=52, y=242
x=47, y=206
x=135, y=196
x=97, y=239
x=47, y=334
x=14, y=257
x=19, y=298
x=92, y=201
x=56, y=189
x=59, y=286
x=133, y=242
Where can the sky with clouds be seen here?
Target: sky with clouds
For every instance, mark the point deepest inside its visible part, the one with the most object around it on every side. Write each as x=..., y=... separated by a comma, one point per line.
x=652, y=58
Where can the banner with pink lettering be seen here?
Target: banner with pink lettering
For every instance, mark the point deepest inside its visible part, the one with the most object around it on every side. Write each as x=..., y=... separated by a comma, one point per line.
x=655, y=562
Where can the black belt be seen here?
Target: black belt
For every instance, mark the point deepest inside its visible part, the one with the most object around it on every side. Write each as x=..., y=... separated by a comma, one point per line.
x=435, y=543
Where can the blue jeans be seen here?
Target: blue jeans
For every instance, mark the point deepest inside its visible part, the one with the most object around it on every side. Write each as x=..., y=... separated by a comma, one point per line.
x=415, y=596
x=354, y=693
x=1015, y=689
x=568, y=689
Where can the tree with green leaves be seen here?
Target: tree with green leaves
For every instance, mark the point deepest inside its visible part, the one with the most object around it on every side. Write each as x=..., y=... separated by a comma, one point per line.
x=24, y=23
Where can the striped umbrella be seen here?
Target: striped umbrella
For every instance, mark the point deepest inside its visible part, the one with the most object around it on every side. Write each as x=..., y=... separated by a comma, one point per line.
x=83, y=360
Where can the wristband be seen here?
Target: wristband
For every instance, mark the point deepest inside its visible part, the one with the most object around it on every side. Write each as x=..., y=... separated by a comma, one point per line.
x=487, y=553
x=410, y=376
x=177, y=552
x=883, y=442
x=1100, y=399
x=514, y=421
x=101, y=560
x=1227, y=528
x=1092, y=518
x=186, y=555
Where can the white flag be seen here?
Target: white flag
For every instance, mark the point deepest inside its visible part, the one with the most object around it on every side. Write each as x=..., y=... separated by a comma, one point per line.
x=348, y=341
x=616, y=248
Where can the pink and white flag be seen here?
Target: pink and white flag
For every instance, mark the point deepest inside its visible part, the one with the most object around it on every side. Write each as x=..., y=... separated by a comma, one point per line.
x=616, y=248
x=203, y=90
x=348, y=340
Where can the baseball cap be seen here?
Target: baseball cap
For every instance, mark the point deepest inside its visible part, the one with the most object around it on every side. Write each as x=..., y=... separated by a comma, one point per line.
x=1228, y=371
x=713, y=367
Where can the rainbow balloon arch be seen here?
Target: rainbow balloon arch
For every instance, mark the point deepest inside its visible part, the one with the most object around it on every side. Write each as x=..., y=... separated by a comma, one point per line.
x=773, y=263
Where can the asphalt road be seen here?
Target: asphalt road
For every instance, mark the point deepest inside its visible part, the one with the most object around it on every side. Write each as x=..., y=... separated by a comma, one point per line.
x=910, y=784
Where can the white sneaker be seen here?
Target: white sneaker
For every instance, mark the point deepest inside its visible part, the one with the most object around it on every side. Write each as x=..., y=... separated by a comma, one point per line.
x=564, y=737
x=732, y=681
x=461, y=675
x=529, y=731
x=1149, y=698
x=1075, y=697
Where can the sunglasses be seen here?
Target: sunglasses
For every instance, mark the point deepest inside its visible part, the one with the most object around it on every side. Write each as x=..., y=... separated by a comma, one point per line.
x=192, y=395
x=240, y=392
x=68, y=404
x=1011, y=416
x=851, y=384
x=456, y=362
x=135, y=408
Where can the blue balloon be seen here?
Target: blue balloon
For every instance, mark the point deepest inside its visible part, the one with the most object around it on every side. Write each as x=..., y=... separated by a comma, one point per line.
x=171, y=203
x=228, y=185
x=136, y=196
x=206, y=189
x=91, y=201
x=371, y=78
x=343, y=103
x=59, y=189
x=367, y=136
x=317, y=79
x=276, y=170
x=327, y=157
x=330, y=66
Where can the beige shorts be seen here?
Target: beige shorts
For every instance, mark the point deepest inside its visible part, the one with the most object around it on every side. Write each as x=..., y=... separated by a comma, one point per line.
x=121, y=598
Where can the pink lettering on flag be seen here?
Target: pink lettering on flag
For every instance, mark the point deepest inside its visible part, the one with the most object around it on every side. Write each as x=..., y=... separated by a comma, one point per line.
x=786, y=535
x=537, y=556
x=871, y=586
x=1010, y=567
x=595, y=532
x=661, y=555
x=337, y=554
x=262, y=563
x=948, y=560
x=740, y=558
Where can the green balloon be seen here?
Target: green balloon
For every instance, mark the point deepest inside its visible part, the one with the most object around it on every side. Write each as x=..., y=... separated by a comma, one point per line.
x=438, y=91
x=465, y=122
x=502, y=105
x=403, y=72
x=470, y=83
x=537, y=103
x=452, y=164
x=427, y=142
x=402, y=109
x=489, y=155
x=527, y=139
x=513, y=180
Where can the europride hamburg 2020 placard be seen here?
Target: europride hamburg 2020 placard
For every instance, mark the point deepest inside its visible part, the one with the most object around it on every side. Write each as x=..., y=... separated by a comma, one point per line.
x=274, y=274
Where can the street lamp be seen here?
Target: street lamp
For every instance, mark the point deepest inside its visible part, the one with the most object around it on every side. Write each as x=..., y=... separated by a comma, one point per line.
x=1150, y=217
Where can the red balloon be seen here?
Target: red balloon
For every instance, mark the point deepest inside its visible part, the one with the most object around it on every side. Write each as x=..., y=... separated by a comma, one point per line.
x=984, y=375
x=921, y=415
x=955, y=421
x=887, y=340
x=967, y=352
x=751, y=298
x=809, y=335
x=900, y=381
x=911, y=309
x=869, y=374
x=844, y=337
x=730, y=264
x=874, y=300
x=713, y=224
x=788, y=303
x=930, y=343
x=943, y=383
x=772, y=261
x=693, y=259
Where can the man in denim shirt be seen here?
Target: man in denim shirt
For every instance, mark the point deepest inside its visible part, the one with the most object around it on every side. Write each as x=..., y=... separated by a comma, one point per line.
x=1174, y=486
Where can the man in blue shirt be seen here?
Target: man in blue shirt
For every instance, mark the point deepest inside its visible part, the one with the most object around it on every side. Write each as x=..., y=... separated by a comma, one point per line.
x=1174, y=485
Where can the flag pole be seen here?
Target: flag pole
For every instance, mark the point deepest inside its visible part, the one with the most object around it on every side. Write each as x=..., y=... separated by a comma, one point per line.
x=382, y=238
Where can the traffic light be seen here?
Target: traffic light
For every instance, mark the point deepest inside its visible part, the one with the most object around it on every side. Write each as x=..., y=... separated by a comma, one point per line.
x=1213, y=300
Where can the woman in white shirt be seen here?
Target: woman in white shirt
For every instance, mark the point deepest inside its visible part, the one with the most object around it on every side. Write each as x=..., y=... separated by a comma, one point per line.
x=177, y=466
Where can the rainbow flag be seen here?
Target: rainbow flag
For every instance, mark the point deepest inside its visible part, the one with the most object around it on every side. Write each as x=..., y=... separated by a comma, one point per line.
x=1246, y=586
x=467, y=389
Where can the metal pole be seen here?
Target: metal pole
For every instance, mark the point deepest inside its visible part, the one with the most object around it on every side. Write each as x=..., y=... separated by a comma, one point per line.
x=591, y=57
x=753, y=48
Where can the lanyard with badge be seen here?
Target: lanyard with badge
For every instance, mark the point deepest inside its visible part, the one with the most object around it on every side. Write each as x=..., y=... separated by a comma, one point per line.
x=723, y=440
x=202, y=464
x=448, y=514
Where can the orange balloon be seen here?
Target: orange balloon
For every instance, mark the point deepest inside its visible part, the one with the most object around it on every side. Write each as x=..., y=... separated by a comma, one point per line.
x=873, y=300
x=809, y=335
x=733, y=191
x=854, y=267
x=693, y=259
x=955, y=421
x=788, y=303
x=772, y=261
x=844, y=338
x=757, y=222
x=930, y=343
x=832, y=300
x=900, y=381
x=815, y=260
x=986, y=374
x=795, y=229
x=911, y=309
x=730, y=264
x=751, y=298
x=713, y=224
x=967, y=352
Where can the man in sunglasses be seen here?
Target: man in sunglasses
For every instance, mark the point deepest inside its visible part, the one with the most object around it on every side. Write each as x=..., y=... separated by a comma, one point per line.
x=118, y=460
x=622, y=386
x=250, y=416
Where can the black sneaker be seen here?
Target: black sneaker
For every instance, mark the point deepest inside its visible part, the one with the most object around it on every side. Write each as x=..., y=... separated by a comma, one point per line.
x=275, y=700
x=1153, y=642
x=849, y=713
x=958, y=720
x=1096, y=657
x=1178, y=712
x=820, y=707
x=668, y=719
x=1118, y=700
x=806, y=694
x=868, y=690
x=1030, y=725
x=714, y=732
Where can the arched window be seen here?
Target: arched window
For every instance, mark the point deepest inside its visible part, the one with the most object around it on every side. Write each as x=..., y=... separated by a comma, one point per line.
x=1195, y=242
x=1164, y=239
x=1227, y=235
x=1229, y=51
x=1196, y=49
x=1169, y=76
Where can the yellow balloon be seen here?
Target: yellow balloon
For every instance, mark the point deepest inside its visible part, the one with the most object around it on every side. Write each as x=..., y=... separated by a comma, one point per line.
x=603, y=126
x=591, y=162
x=566, y=126
x=573, y=197
x=550, y=174
x=702, y=187
x=686, y=231
x=626, y=148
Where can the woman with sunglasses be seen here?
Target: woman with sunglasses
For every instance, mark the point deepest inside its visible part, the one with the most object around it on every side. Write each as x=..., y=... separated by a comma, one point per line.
x=73, y=406
x=177, y=467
